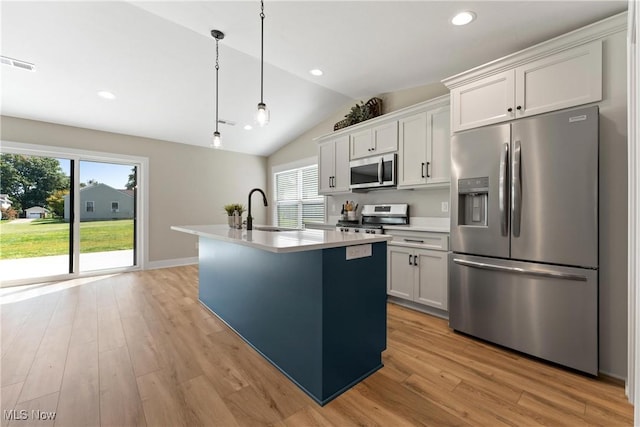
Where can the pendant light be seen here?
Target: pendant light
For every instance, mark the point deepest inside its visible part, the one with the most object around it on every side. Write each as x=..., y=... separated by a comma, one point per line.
x=217, y=142
x=262, y=116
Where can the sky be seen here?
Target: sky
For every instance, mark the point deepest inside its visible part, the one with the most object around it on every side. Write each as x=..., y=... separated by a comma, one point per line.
x=114, y=175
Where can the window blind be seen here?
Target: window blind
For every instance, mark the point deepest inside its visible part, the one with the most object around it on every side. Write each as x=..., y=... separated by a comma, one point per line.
x=297, y=199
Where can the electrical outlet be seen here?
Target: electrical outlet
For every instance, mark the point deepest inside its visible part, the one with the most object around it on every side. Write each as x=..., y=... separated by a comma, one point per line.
x=445, y=206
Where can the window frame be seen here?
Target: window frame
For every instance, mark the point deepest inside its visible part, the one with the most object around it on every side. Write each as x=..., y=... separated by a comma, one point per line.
x=86, y=206
x=299, y=165
x=117, y=208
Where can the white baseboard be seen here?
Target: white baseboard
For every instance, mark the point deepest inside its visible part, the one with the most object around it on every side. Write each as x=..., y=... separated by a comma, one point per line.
x=176, y=262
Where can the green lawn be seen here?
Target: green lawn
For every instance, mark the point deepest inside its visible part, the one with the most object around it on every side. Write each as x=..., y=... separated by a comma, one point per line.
x=44, y=237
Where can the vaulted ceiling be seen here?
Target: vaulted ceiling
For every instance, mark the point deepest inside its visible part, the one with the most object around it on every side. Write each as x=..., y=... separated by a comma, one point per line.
x=158, y=59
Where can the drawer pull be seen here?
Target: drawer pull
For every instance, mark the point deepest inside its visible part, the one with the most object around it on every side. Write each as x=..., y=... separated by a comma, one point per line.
x=414, y=241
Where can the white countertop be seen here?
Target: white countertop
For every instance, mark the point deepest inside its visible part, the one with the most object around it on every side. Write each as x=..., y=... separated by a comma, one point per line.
x=282, y=241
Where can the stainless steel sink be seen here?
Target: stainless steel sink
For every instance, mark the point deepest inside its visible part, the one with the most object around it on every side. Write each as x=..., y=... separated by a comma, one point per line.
x=273, y=228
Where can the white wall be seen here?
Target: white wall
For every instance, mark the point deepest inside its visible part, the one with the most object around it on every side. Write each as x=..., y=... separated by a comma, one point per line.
x=188, y=185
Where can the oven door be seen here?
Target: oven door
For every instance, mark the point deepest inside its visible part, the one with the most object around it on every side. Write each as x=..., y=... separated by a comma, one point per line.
x=378, y=171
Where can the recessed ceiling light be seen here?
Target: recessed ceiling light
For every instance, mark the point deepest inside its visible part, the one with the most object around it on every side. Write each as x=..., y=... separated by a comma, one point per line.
x=316, y=72
x=248, y=127
x=106, y=94
x=463, y=18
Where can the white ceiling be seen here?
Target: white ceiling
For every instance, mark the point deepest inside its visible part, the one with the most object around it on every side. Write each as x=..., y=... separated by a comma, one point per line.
x=158, y=59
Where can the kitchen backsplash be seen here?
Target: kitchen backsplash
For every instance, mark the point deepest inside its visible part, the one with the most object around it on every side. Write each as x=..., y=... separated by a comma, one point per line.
x=422, y=203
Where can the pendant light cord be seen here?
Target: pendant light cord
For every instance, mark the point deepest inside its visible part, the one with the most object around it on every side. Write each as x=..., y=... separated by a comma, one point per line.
x=262, y=52
x=217, y=69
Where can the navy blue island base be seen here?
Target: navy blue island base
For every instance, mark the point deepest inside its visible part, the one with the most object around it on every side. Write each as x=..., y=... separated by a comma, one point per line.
x=316, y=316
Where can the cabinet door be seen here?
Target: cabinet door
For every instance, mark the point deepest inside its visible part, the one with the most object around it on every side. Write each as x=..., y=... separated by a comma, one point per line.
x=432, y=281
x=361, y=144
x=566, y=79
x=326, y=167
x=385, y=138
x=413, y=150
x=438, y=146
x=483, y=102
x=400, y=274
x=342, y=172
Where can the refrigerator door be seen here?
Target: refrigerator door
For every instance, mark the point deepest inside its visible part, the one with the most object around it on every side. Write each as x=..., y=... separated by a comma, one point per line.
x=548, y=312
x=480, y=191
x=554, y=193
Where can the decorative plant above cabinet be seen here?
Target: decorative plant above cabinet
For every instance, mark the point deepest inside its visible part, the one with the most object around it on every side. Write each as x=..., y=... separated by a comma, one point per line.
x=361, y=112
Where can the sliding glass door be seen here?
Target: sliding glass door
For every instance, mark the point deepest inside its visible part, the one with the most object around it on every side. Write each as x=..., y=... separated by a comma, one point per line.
x=36, y=239
x=67, y=215
x=107, y=214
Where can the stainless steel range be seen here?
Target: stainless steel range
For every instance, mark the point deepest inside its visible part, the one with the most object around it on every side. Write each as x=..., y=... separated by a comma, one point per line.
x=375, y=217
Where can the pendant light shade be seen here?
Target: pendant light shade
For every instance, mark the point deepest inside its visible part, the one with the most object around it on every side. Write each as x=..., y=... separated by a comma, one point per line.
x=262, y=116
x=217, y=141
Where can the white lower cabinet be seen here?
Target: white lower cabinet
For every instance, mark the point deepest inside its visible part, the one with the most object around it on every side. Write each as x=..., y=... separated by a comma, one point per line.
x=431, y=281
x=418, y=275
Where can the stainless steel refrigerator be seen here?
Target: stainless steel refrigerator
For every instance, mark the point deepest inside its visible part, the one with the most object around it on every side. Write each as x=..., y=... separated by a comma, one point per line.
x=524, y=234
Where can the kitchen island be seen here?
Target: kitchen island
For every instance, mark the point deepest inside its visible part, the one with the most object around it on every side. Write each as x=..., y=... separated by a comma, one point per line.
x=312, y=302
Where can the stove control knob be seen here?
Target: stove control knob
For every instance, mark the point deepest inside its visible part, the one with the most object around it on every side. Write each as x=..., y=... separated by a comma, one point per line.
x=356, y=230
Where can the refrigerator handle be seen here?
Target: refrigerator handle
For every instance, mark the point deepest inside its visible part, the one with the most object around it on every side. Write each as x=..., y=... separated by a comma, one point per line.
x=504, y=189
x=541, y=273
x=516, y=191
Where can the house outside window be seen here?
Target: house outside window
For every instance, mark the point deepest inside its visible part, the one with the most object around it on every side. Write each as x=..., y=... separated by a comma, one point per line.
x=89, y=206
x=115, y=206
x=297, y=200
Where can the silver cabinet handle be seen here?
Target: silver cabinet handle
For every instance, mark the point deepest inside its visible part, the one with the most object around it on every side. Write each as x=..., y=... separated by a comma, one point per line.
x=504, y=189
x=537, y=272
x=414, y=241
x=380, y=170
x=516, y=190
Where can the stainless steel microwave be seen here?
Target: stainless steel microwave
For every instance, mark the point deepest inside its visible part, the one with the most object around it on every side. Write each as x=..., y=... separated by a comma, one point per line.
x=373, y=172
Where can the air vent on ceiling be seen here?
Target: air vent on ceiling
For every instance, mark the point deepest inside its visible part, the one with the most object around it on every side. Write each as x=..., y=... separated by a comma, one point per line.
x=226, y=122
x=18, y=63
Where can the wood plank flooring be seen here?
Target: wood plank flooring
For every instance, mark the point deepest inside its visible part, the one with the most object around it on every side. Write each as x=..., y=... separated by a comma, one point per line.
x=138, y=349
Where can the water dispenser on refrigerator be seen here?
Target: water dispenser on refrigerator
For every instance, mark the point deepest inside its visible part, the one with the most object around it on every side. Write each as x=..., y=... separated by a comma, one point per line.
x=473, y=194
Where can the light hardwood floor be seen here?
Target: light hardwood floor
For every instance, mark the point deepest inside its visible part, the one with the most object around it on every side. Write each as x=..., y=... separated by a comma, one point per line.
x=138, y=349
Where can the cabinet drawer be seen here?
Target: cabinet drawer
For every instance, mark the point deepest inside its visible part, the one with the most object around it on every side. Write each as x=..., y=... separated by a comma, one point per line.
x=419, y=239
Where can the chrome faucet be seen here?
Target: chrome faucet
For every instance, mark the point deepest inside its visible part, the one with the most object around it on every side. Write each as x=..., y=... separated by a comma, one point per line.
x=264, y=199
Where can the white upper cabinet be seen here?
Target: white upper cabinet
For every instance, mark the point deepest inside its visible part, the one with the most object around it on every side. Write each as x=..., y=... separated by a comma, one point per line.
x=326, y=166
x=333, y=166
x=424, y=149
x=412, y=152
x=420, y=134
x=569, y=78
x=385, y=138
x=379, y=139
x=527, y=84
x=361, y=144
x=438, y=146
x=483, y=102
